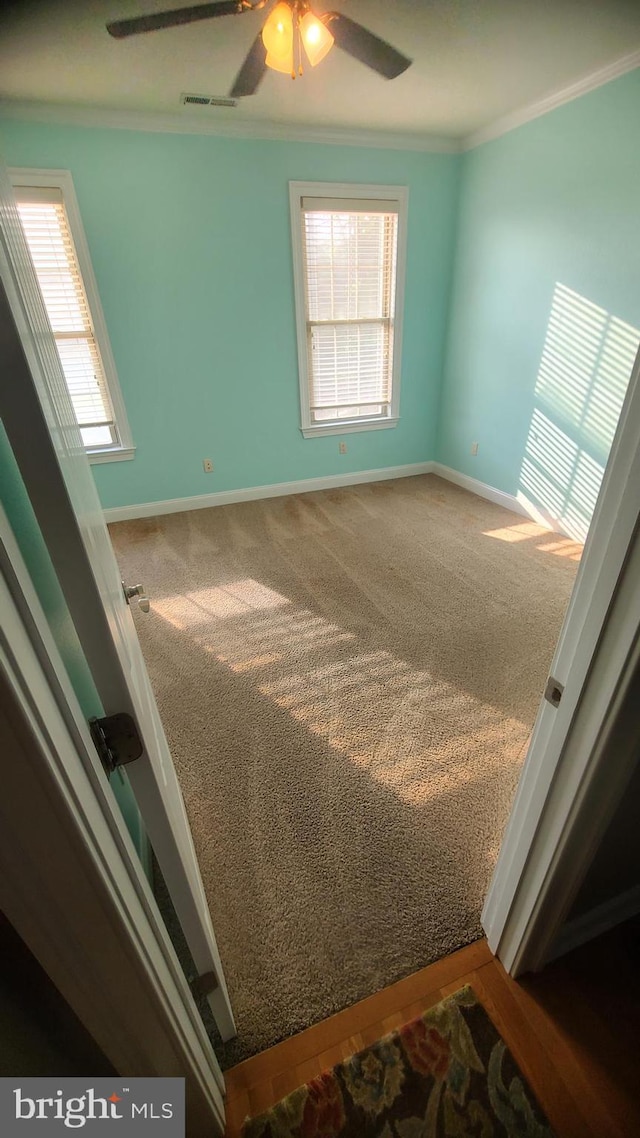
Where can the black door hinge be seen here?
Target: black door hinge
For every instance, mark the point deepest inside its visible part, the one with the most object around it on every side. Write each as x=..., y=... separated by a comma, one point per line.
x=204, y=985
x=553, y=691
x=117, y=740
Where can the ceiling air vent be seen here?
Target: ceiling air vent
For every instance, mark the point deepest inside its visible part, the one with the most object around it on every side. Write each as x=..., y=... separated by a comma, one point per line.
x=208, y=101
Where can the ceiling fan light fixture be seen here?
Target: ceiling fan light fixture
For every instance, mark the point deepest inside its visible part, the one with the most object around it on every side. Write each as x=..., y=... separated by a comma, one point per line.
x=277, y=37
x=316, y=37
x=283, y=62
x=291, y=31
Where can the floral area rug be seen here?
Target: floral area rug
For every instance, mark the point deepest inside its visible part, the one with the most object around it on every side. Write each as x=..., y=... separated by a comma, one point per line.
x=445, y=1074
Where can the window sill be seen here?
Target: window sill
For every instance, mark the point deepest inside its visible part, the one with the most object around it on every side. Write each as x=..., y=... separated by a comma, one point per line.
x=116, y=454
x=349, y=427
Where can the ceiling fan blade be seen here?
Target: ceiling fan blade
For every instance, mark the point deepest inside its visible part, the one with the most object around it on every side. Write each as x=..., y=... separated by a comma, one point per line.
x=366, y=47
x=151, y=23
x=250, y=74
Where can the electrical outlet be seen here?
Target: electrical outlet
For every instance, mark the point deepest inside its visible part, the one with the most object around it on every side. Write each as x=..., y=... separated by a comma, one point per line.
x=207, y=465
x=474, y=448
x=342, y=447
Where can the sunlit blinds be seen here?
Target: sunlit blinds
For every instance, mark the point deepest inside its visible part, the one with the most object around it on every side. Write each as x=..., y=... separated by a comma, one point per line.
x=350, y=250
x=54, y=258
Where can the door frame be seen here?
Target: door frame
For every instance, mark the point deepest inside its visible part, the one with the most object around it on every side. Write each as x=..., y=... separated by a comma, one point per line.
x=71, y=882
x=42, y=430
x=572, y=779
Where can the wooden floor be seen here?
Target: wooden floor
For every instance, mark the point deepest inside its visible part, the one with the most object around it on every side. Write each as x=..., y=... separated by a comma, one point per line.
x=573, y=1029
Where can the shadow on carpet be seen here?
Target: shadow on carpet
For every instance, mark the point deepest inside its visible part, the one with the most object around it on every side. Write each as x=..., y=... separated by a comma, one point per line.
x=348, y=681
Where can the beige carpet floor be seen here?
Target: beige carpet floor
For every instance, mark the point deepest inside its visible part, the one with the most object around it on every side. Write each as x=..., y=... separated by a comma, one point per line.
x=348, y=680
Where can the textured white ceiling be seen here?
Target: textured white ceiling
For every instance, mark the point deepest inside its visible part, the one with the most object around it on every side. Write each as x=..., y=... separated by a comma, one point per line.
x=475, y=61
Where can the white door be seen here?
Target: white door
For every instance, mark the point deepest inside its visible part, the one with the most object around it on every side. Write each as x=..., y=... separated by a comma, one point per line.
x=41, y=426
x=532, y=887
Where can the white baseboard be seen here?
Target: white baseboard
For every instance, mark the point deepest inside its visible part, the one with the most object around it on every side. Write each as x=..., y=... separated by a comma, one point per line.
x=597, y=921
x=251, y=493
x=518, y=504
x=482, y=489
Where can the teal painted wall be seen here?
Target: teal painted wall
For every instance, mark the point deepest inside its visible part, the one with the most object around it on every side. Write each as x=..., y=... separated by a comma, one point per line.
x=546, y=301
x=25, y=529
x=521, y=316
x=191, y=245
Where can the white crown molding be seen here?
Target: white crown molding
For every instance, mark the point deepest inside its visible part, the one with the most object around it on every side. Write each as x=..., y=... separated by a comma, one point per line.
x=195, y=121
x=542, y=106
x=192, y=121
x=252, y=493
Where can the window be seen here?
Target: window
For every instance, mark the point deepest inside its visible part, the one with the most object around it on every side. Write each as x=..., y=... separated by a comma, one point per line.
x=348, y=245
x=53, y=230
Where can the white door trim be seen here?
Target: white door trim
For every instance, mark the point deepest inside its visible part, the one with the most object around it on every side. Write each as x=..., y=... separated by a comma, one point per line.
x=41, y=427
x=70, y=880
x=553, y=805
x=591, y=776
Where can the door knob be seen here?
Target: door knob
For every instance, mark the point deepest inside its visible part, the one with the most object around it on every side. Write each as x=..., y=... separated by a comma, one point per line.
x=131, y=591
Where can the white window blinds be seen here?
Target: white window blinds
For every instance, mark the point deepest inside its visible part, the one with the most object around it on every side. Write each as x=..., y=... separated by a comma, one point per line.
x=350, y=255
x=48, y=235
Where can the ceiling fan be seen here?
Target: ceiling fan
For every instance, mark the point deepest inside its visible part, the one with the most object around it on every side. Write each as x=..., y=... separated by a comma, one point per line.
x=290, y=26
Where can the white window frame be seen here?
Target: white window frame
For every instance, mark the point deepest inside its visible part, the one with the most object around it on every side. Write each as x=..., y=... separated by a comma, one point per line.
x=337, y=190
x=62, y=180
